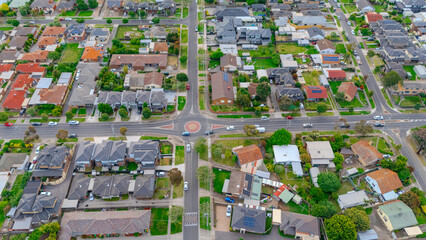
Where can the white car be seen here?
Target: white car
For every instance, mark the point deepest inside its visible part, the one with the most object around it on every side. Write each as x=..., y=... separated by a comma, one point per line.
x=38, y=150
x=185, y=186
x=378, y=117
x=264, y=118
x=72, y=122
x=308, y=125
x=46, y=193
x=353, y=32
x=228, y=210
x=68, y=19
x=91, y=198
x=230, y=128
x=52, y=124
x=188, y=147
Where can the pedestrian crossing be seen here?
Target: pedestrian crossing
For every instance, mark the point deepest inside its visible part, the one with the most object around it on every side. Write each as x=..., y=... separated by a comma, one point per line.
x=191, y=219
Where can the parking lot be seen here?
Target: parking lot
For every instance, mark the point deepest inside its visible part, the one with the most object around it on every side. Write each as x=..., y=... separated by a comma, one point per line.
x=222, y=221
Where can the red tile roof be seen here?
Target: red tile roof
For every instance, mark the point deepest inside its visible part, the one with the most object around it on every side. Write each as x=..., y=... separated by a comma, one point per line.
x=53, y=31
x=54, y=95
x=367, y=154
x=23, y=81
x=39, y=55
x=348, y=88
x=5, y=67
x=14, y=100
x=46, y=40
x=92, y=53
x=248, y=154
x=386, y=179
x=161, y=47
x=29, y=68
x=373, y=17
x=316, y=92
x=336, y=74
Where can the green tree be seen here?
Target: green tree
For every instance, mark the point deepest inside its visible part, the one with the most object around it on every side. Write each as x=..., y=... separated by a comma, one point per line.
x=109, y=21
x=391, y=79
x=328, y=182
x=420, y=137
x=182, y=77
x=250, y=130
x=411, y=199
x=417, y=106
x=81, y=5
x=55, y=23
x=13, y=22
x=123, y=112
x=323, y=209
x=123, y=131
x=200, y=145
x=317, y=194
x=359, y=217
x=93, y=4
x=105, y=116
x=125, y=20
x=62, y=134
x=263, y=90
x=205, y=172
x=321, y=107
x=258, y=112
x=280, y=137
x=3, y=116
x=243, y=98
x=146, y=113
x=370, y=53
x=363, y=128
x=175, y=176
x=44, y=117
x=279, y=169
x=340, y=227
x=54, y=55
x=183, y=59
x=217, y=54
x=105, y=108
x=80, y=20
x=4, y=7
x=339, y=96
x=156, y=20
x=285, y=103
x=338, y=160
x=31, y=111
x=305, y=158
x=337, y=142
x=69, y=115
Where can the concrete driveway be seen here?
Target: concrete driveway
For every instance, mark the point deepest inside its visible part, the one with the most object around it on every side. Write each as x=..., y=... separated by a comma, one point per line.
x=380, y=228
x=222, y=221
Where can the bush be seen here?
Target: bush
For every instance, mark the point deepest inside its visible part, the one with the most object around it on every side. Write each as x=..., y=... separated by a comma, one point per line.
x=279, y=169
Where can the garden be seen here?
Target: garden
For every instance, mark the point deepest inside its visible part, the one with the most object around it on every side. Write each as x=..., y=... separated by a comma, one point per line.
x=159, y=221
x=162, y=189
x=71, y=53
x=17, y=146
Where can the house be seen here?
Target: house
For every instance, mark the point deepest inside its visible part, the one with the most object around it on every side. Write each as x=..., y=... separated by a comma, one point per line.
x=99, y=34
x=222, y=88
x=145, y=81
x=160, y=47
x=315, y=33
x=139, y=61
x=229, y=49
x=330, y=59
x=411, y=5
x=281, y=76
x=352, y=199
x=289, y=155
x=367, y=235
x=156, y=32
x=144, y=187
x=364, y=6
x=420, y=71
x=47, y=6
x=83, y=157
x=316, y=93
x=76, y=32
x=109, y=153
x=300, y=226
x=419, y=28
x=52, y=162
x=113, y=186
x=84, y=95
x=8, y=56
x=230, y=63
x=30, y=68
x=222, y=12
x=79, y=187
x=248, y=220
x=18, y=42
x=16, y=97
x=64, y=79
x=144, y=152
x=54, y=31
x=44, y=83
x=259, y=36
x=66, y=5
x=325, y=46
x=258, y=7
x=396, y=215
x=243, y=185
x=346, y=153
x=252, y=89
x=125, y=223
x=92, y=54
x=321, y=153
x=301, y=19
x=384, y=182
x=323, y=80
x=45, y=41
x=128, y=99
x=287, y=61
x=314, y=172
x=295, y=94
x=36, y=56
x=16, y=4
x=367, y=154
x=249, y=158
x=157, y=100
x=166, y=8
x=115, y=5
x=349, y=90
x=334, y=74
x=54, y=95
x=372, y=17
x=24, y=31
x=410, y=88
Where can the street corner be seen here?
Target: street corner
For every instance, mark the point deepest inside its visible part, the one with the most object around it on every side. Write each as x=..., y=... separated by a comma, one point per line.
x=192, y=126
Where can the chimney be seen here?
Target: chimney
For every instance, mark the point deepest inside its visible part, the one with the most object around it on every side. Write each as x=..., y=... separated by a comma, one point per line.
x=229, y=88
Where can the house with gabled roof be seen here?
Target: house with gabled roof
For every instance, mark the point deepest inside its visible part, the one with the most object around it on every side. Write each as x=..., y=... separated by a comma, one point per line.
x=367, y=155
x=107, y=187
x=321, y=153
x=248, y=220
x=144, y=187
x=36, y=56
x=30, y=68
x=288, y=155
x=396, y=215
x=83, y=157
x=75, y=32
x=300, y=226
x=384, y=182
x=249, y=158
x=144, y=152
x=109, y=153
x=281, y=76
x=79, y=187
x=364, y=6
x=349, y=90
x=352, y=199
x=316, y=93
x=222, y=88
x=325, y=46
x=92, y=54
x=45, y=41
x=230, y=63
x=295, y=94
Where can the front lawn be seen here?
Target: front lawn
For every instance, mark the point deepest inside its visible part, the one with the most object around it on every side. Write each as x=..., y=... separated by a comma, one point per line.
x=181, y=102
x=290, y=48
x=184, y=35
x=340, y=49
x=185, y=13
x=225, y=108
x=68, y=14
x=350, y=8
x=71, y=53
x=264, y=63
x=159, y=221
x=85, y=13
x=379, y=8
x=152, y=138
x=220, y=176
x=410, y=101
x=179, y=155
x=383, y=147
x=176, y=223
x=205, y=218
x=377, y=61
x=162, y=188
x=410, y=69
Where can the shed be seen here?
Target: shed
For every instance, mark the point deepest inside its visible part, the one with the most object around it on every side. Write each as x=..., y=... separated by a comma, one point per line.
x=276, y=216
x=297, y=199
x=413, y=231
x=367, y=235
x=351, y=171
x=352, y=199
x=286, y=196
x=324, y=81
x=44, y=83
x=314, y=175
x=69, y=204
x=420, y=71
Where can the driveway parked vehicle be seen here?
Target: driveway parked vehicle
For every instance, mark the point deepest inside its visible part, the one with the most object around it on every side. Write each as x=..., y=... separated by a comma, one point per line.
x=230, y=200
x=228, y=210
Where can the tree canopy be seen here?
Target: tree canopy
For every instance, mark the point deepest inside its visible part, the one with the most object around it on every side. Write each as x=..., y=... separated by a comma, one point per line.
x=323, y=209
x=391, y=79
x=280, y=137
x=340, y=227
x=328, y=182
x=263, y=90
x=411, y=199
x=363, y=128
x=359, y=217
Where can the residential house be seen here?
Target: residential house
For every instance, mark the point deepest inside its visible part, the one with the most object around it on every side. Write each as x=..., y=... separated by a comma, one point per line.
x=145, y=81
x=18, y=42
x=252, y=89
x=25, y=31
x=52, y=162
x=144, y=152
x=36, y=56
x=325, y=46
x=16, y=97
x=411, y=5
x=83, y=157
x=230, y=63
x=144, y=187
x=125, y=223
x=76, y=32
x=307, y=6
x=396, y=67
x=156, y=32
x=166, y=8
x=384, y=182
x=8, y=56
x=396, y=215
x=142, y=97
x=222, y=88
x=300, y=226
x=243, y=185
x=288, y=155
x=45, y=41
x=79, y=187
x=248, y=220
x=347, y=152
x=250, y=158
x=321, y=153
x=419, y=28
x=44, y=83
x=138, y=61
x=258, y=7
x=54, y=95
x=128, y=99
x=367, y=154
x=222, y=12
x=113, y=186
x=229, y=49
x=92, y=54
x=114, y=5
x=352, y=199
x=47, y=6
x=364, y=6
x=420, y=71
x=281, y=76
x=16, y=4
x=54, y=31
x=64, y=79
x=372, y=17
x=334, y=74
x=349, y=90
x=330, y=59
x=160, y=47
x=109, y=153
x=301, y=19
x=316, y=93
x=313, y=173
x=315, y=33
x=66, y=5
x=287, y=61
x=260, y=36
x=295, y=94
x=99, y=34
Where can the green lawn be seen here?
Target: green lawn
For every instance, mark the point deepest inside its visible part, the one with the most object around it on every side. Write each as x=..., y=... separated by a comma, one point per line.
x=379, y=8
x=201, y=102
x=384, y=147
x=71, y=53
x=85, y=13
x=184, y=35
x=310, y=79
x=385, y=94
x=166, y=149
x=179, y=155
x=123, y=29
x=159, y=221
x=290, y=178
x=181, y=102
x=290, y=48
x=345, y=187
x=262, y=51
x=178, y=190
x=152, y=138
x=410, y=101
x=6, y=28
x=200, y=16
x=176, y=224
x=340, y=48
x=162, y=188
x=219, y=179
x=350, y=8
x=205, y=218
x=410, y=69
x=313, y=114
x=185, y=13
x=68, y=14
x=264, y=63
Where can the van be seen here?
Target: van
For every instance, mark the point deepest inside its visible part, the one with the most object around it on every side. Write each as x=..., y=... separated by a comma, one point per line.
x=261, y=129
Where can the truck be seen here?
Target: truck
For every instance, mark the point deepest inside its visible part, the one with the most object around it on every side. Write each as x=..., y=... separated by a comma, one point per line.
x=260, y=129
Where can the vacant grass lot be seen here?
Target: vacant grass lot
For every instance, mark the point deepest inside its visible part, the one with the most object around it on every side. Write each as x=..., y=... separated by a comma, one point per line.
x=85, y=13
x=162, y=189
x=410, y=69
x=262, y=51
x=290, y=48
x=184, y=35
x=377, y=61
x=220, y=176
x=179, y=155
x=159, y=221
x=310, y=79
x=123, y=29
x=350, y=8
x=264, y=63
x=176, y=224
x=410, y=101
x=71, y=53
x=340, y=48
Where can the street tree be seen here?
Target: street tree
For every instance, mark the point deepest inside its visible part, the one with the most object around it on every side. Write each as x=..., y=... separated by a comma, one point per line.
x=176, y=213
x=258, y=111
x=411, y=199
x=69, y=115
x=31, y=111
x=146, y=112
x=62, y=134
x=280, y=137
x=93, y=3
x=182, y=77
x=175, y=176
x=321, y=108
x=328, y=182
x=340, y=227
x=3, y=116
x=391, y=79
x=217, y=152
x=205, y=172
x=363, y=128
x=109, y=21
x=13, y=22
x=250, y=130
x=31, y=130
x=417, y=106
x=285, y=103
x=105, y=108
x=359, y=217
x=105, y=116
x=123, y=131
x=370, y=53
x=80, y=20
x=323, y=209
x=156, y=20
x=200, y=145
x=125, y=20
x=183, y=59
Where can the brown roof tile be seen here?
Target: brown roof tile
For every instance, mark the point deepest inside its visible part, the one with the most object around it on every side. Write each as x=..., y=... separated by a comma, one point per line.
x=53, y=31
x=35, y=56
x=92, y=53
x=54, y=95
x=228, y=59
x=222, y=86
x=248, y=154
x=348, y=88
x=46, y=40
x=367, y=154
x=386, y=179
x=252, y=88
x=325, y=44
x=161, y=47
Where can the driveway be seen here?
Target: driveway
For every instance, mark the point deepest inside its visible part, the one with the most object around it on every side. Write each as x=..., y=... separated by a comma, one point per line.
x=274, y=235
x=380, y=228
x=222, y=221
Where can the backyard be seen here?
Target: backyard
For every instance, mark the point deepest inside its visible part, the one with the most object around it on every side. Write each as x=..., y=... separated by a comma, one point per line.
x=220, y=176
x=71, y=53
x=410, y=69
x=264, y=63
x=159, y=221
x=310, y=78
x=350, y=8
x=290, y=48
x=345, y=104
x=166, y=149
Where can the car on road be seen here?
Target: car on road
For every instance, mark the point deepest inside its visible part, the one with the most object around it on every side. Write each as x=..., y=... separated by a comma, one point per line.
x=8, y=124
x=289, y=117
x=187, y=86
x=73, y=135
x=264, y=118
x=196, y=29
x=353, y=32
x=68, y=19
x=38, y=150
x=230, y=128
x=379, y=124
x=308, y=125
x=188, y=147
x=91, y=198
x=230, y=200
x=228, y=210
x=46, y=193
x=208, y=132
x=160, y=174
x=186, y=134
x=185, y=186
x=344, y=125
x=349, y=23
x=378, y=117
x=36, y=123
x=72, y=122
x=52, y=124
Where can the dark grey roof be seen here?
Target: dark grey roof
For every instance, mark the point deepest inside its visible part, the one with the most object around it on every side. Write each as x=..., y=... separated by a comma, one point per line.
x=114, y=98
x=142, y=96
x=128, y=97
x=144, y=151
x=293, y=93
x=64, y=4
x=307, y=6
x=75, y=29
x=109, y=150
x=85, y=152
x=281, y=6
x=8, y=55
x=114, y=3
x=313, y=13
x=144, y=186
x=39, y=207
x=79, y=187
x=100, y=32
x=414, y=2
x=258, y=7
x=292, y=223
x=363, y=4
x=232, y=12
x=281, y=76
x=52, y=157
x=313, y=31
x=108, y=186
x=250, y=219
x=24, y=31
x=45, y=4
x=32, y=187
x=157, y=99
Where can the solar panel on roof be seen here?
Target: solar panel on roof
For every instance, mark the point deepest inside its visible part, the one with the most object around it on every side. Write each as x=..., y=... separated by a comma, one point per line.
x=245, y=192
x=316, y=91
x=329, y=58
x=248, y=222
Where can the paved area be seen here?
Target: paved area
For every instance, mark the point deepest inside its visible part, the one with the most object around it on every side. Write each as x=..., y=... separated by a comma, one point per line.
x=248, y=236
x=222, y=221
x=378, y=226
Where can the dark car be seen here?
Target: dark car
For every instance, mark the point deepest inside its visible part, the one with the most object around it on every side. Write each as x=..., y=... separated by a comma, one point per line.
x=36, y=123
x=22, y=111
x=343, y=125
x=230, y=200
x=73, y=135
x=379, y=124
x=208, y=132
x=139, y=110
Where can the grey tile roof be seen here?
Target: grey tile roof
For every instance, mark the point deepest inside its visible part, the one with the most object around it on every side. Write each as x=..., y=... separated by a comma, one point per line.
x=109, y=151
x=313, y=31
x=24, y=31
x=292, y=223
x=144, y=151
x=114, y=3
x=128, y=97
x=79, y=187
x=281, y=76
x=232, y=12
x=32, y=187
x=75, y=29
x=109, y=186
x=52, y=157
x=38, y=207
x=144, y=186
x=100, y=32
x=142, y=96
x=293, y=93
x=157, y=99
x=250, y=219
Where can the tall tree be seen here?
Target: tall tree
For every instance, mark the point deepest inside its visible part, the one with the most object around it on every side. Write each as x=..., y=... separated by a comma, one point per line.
x=205, y=172
x=420, y=136
x=93, y=3
x=411, y=199
x=323, y=209
x=391, y=79
x=62, y=134
x=340, y=227
x=200, y=145
x=328, y=182
x=123, y=131
x=175, y=176
x=338, y=160
x=363, y=128
x=321, y=107
x=146, y=112
x=105, y=108
x=359, y=217
x=250, y=130
x=263, y=90
x=285, y=103
x=280, y=137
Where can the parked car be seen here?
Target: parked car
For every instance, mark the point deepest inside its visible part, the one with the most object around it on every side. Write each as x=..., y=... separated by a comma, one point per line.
x=230, y=200
x=228, y=210
x=290, y=117
x=68, y=19
x=186, y=134
x=308, y=125
x=230, y=128
x=185, y=186
x=188, y=147
x=22, y=111
x=91, y=198
x=72, y=122
x=37, y=151
x=35, y=160
x=52, y=124
x=378, y=117
x=160, y=174
x=73, y=135
x=8, y=124
x=36, y=123
x=46, y=193
x=400, y=192
x=208, y=132
x=379, y=124
x=344, y=125
x=264, y=118
x=386, y=156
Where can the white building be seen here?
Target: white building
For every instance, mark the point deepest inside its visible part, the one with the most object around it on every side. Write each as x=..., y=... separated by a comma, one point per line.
x=352, y=199
x=321, y=153
x=289, y=155
x=420, y=70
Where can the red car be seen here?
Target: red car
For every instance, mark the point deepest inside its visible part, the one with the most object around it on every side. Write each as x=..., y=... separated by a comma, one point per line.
x=289, y=117
x=187, y=86
x=8, y=124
